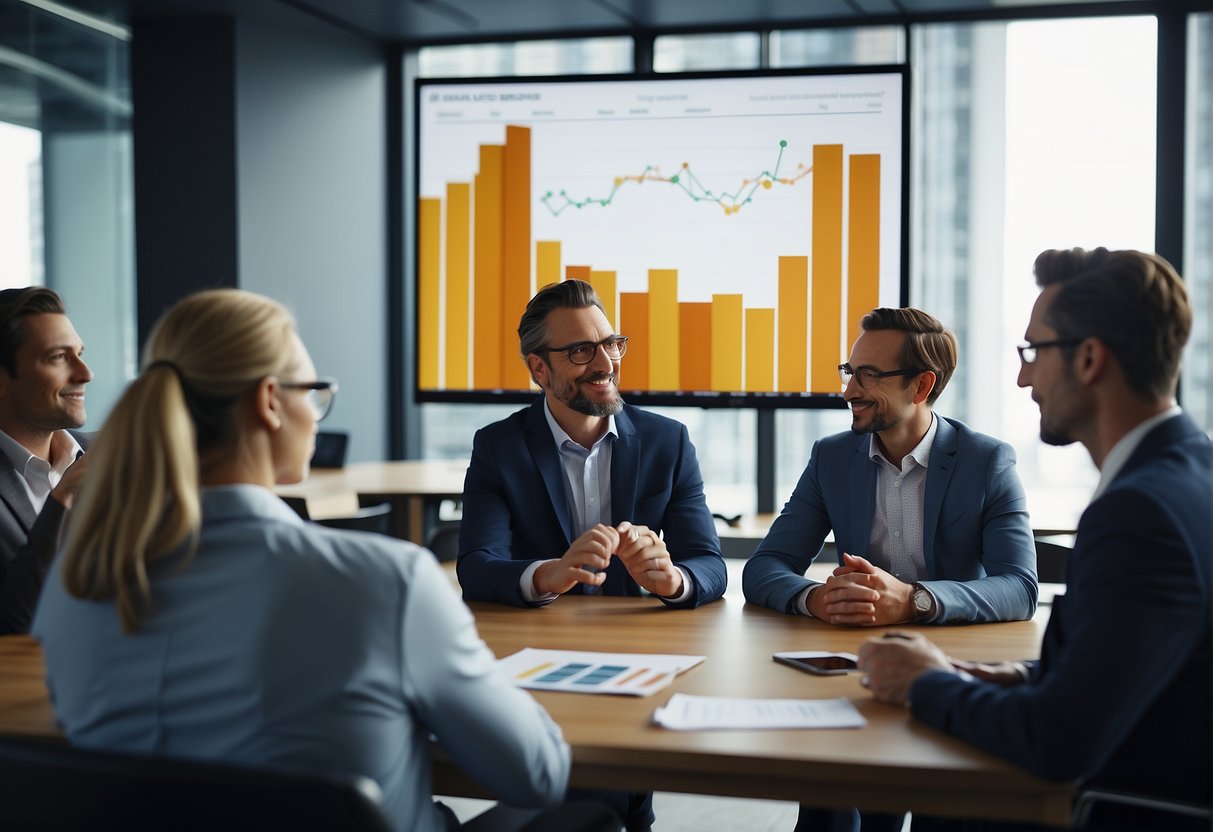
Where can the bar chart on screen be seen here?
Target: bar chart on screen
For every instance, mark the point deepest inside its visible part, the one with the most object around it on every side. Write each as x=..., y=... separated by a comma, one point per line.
x=735, y=229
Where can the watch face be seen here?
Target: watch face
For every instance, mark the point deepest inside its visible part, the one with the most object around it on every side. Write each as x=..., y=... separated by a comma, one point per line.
x=922, y=600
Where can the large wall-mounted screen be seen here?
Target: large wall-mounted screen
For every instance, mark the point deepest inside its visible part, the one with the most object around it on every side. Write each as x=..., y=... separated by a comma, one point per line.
x=736, y=228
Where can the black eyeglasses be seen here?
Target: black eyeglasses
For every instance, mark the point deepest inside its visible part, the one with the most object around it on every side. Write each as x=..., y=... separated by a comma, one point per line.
x=868, y=376
x=583, y=352
x=320, y=394
x=1027, y=352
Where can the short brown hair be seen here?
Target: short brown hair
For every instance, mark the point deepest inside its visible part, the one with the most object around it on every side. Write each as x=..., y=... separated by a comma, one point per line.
x=15, y=306
x=1133, y=301
x=928, y=345
x=568, y=294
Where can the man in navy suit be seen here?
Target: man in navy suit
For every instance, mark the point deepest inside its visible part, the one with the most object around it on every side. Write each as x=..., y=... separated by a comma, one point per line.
x=579, y=492
x=582, y=493
x=929, y=517
x=42, y=378
x=1120, y=696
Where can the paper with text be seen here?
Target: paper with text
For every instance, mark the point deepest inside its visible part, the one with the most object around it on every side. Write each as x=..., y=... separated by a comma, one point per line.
x=698, y=713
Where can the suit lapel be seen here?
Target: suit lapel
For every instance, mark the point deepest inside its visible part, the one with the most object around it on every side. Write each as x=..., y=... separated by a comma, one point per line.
x=14, y=495
x=939, y=474
x=625, y=469
x=861, y=493
x=543, y=451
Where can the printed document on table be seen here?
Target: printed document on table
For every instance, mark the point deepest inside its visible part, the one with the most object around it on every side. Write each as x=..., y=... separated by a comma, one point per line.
x=699, y=713
x=629, y=674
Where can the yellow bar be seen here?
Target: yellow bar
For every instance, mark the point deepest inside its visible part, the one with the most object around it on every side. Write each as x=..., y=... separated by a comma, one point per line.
x=863, y=241
x=793, y=324
x=515, y=251
x=760, y=350
x=663, y=329
x=547, y=262
x=827, y=268
x=458, y=226
x=726, y=343
x=429, y=240
x=486, y=367
x=634, y=317
x=604, y=285
x=695, y=349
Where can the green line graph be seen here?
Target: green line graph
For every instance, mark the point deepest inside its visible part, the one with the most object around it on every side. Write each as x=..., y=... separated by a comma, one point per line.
x=688, y=183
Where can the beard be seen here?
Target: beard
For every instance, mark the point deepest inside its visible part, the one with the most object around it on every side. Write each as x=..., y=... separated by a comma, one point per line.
x=880, y=421
x=582, y=403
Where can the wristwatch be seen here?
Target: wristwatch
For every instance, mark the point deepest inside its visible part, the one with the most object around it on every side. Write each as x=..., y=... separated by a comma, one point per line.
x=923, y=602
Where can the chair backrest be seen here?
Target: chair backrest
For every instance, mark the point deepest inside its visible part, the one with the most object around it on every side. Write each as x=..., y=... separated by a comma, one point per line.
x=50, y=785
x=330, y=449
x=1051, y=562
x=298, y=505
x=376, y=518
x=443, y=540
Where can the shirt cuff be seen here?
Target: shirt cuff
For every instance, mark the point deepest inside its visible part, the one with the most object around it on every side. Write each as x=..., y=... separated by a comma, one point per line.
x=688, y=588
x=527, y=585
x=802, y=600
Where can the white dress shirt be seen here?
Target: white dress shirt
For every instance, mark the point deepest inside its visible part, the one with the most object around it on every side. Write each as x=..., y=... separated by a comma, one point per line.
x=40, y=476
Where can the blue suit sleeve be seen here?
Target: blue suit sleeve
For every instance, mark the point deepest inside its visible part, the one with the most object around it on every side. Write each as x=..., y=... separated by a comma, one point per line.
x=1007, y=554
x=774, y=574
x=690, y=533
x=486, y=567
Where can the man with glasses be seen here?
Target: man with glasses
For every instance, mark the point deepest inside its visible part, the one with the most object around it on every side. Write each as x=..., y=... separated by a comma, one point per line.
x=581, y=493
x=1120, y=697
x=42, y=461
x=929, y=517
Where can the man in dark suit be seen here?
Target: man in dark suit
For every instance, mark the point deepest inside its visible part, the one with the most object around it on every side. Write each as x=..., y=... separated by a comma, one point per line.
x=1120, y=697
x=42, y=378
x=580, y=493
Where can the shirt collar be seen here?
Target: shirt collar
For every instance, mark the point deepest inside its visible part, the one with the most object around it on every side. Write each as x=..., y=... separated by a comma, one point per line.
x=561, y=437
x=921, y=454
x=61, y=441
x=1122, y=450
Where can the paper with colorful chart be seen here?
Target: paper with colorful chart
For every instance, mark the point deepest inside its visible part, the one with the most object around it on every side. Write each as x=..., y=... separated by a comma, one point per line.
x=628, y=674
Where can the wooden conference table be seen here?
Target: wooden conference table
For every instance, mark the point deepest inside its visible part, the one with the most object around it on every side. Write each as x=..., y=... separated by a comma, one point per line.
x=892, y=764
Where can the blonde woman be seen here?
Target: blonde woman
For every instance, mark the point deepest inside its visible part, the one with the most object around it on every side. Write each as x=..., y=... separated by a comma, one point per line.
x=193, y=614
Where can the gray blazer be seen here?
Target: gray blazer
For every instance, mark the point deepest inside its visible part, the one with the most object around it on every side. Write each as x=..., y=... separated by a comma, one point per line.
x=27, y=543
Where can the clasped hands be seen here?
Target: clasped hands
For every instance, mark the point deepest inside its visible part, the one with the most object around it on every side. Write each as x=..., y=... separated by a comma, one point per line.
x=862, y=595
x=639, y=548
x=890, y=665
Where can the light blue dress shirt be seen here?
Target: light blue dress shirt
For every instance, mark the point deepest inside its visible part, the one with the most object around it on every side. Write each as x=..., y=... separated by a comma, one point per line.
x=284, y=643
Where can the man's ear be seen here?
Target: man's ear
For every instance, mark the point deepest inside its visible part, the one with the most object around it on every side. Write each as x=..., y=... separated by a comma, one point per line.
x=538, y=368
x=266, y=405
x=1091, y=359
x=926, y=383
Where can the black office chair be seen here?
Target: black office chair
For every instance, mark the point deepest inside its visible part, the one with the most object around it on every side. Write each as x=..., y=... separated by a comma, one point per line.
x=330, y=449
x=52, y=786
x=1102, y=808
x=443, y=540
x=1051, y=562
x=298, y=505
x=376, y=518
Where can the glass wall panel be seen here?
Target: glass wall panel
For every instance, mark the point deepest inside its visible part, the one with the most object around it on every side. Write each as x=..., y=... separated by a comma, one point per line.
x=1196, y=388
x=838, y=47
x=687, y=53
x=585, y=56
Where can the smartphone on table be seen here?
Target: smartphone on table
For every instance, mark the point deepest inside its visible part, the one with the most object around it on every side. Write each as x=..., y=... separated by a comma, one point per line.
x=818, y=662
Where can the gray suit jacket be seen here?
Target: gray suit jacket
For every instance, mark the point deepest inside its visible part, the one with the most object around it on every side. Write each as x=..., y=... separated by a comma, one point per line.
x=27, y=544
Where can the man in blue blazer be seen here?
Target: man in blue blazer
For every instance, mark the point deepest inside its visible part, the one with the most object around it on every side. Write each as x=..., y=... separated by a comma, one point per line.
x=578, y=492
x=1120, y=697
x=42, y=379
x=929, y=517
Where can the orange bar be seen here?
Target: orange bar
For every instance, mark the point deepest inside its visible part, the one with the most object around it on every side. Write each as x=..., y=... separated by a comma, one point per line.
x=429, y=241
x=515, y=251
x=726, y=343
x=604, y=285
x=547, y=262
x=634, y=318
x=863, y=241
x=793, y=324
x=577, y=273
x=486, y=210
x=760, y=350
x=458, y=226
x=827, y=268
x=663, y=329
x=695, y=346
